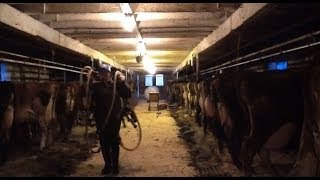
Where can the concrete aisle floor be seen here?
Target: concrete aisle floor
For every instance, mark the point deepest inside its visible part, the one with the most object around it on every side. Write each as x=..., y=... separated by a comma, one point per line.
x=161, y=153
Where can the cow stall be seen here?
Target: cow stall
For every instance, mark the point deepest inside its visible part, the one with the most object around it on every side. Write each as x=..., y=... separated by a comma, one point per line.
x=256, y=88
x=217, y=89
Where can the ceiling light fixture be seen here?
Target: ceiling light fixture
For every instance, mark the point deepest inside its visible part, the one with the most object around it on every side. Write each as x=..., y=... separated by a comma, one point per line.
x=141, y=48
x=148, y=65
x=128, y=22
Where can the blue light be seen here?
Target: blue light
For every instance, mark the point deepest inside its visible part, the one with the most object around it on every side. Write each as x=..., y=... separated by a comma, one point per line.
x=272, y=66
x=280, y=65
x=5, y=76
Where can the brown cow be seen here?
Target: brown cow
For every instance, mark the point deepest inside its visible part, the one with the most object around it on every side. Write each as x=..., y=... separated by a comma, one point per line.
x=191, y=98
x=178, y=94
x=66, y=107
x=34, y=103
x=197, y=105
x=309, y=150
x=44, y=109
x=6, y=118
x=271, y=101
x=185, y=96
x=257, y=105
x=82, y=107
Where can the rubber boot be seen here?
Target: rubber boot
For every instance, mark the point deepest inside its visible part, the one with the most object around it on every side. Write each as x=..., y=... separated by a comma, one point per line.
x=115, y=159
x=107, y=160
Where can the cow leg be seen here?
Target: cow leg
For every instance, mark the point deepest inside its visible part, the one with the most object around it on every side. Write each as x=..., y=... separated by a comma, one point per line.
x=218, y=130
x=248, y=150
x=198, y=115
x=77, y=122
x=50, y=134
x=69, y=125
x=247, y=154
x=44, y=132
x=192, y=107
x=189, y=107
x=265, y=157
x=252, y=121
x=233, y=155
x=204, y=122
x=3, y=152
x=220, y=146
x=61, y=120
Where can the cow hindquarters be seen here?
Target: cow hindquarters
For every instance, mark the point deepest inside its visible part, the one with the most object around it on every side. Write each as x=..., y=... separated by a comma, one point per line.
x=6, y=125
x=46, y=116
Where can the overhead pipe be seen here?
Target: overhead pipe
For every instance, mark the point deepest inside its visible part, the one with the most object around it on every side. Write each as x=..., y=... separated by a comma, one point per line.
x=261, y=51
x=264, y=57
x=38, y=65
x=86, y=99
x=40, y=60
x=266, y=37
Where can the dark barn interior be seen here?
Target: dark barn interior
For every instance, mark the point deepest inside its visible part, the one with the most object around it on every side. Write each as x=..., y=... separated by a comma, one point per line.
x=235, y=88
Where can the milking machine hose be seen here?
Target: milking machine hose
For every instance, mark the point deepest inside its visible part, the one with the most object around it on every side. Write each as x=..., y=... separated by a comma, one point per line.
x=87, y=87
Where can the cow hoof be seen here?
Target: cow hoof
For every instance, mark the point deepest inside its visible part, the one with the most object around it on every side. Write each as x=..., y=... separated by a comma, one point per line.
x=249, y=172
x=221, y=151
x=238, y=165
x=3, y=162
x=42, y=148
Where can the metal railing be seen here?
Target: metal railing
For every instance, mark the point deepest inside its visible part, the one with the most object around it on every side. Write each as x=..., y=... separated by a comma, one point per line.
x=63, y=67
x=230, y=64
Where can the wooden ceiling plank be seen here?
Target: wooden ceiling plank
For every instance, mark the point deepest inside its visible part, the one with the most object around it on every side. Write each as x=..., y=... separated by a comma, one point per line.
x=240, y=16
x=179, y=23
x=181, y=7
x=151, y=16
x=59, y=8
x=85, y=24
x=177, y=29
x=15, y=19
x=113, y=16
x=90, y=30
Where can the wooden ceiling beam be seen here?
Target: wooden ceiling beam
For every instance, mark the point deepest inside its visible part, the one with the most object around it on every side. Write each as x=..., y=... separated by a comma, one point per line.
x=20, y=21
x=239, y=17
x=59, y=8
x=184, y=7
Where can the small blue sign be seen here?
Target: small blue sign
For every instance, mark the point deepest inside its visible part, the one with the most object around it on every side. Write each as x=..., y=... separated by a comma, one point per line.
x=279, y=65
x=5, y=76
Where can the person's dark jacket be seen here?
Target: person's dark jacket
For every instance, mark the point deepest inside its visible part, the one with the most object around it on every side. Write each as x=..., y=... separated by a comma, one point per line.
x=123, y=90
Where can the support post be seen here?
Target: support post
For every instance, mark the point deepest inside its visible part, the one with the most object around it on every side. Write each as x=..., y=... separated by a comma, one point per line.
x=138, y=85
x=197, y=67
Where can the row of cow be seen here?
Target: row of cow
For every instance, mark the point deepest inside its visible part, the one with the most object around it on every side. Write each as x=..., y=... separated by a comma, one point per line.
x=253, y=111
x=48, y=110
x=28, y=108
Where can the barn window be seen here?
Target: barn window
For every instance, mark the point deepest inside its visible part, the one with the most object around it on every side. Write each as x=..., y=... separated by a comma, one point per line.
x=149, y=80
x=159, y=80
